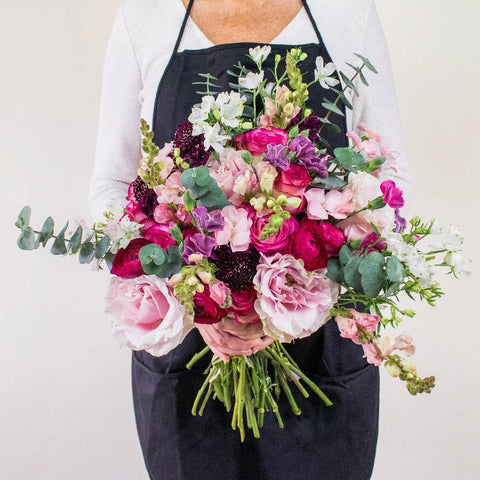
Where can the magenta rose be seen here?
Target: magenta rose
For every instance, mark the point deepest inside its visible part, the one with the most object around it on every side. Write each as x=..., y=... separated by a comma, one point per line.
x=307, y=244
x=293, y=181
x=126, y=263
x=133, y=207
x=205, y=308
x=256, y=141
x=243, y=301
x=333, y=238
x=159, y=234
x=275, y=243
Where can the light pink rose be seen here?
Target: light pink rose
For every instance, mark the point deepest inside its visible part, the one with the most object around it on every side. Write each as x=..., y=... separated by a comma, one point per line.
x=292, y=303
x=146, y=315
x=219, y=292
x=338, y=204
x=233, y=175
x=163, y=214
x=236, y=230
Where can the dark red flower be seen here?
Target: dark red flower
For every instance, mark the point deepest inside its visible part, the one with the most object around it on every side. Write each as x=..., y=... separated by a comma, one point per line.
x=126, y=263
x=206, y=310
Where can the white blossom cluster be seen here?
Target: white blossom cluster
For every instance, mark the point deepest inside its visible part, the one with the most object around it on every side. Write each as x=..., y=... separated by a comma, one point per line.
x=120, y=229
x=214, y=114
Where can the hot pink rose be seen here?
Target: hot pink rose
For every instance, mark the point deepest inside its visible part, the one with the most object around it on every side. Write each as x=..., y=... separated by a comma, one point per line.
x=146, y=315
x=333, y=238
x=256, y=141
x=126, y=263
x=159, y=234
x=307, y=244
x=293, y=181
x=243, y=301
x=275, y=243
x=292, y=303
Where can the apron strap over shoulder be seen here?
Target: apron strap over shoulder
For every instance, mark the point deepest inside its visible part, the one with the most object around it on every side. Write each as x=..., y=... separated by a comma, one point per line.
x=182, y=28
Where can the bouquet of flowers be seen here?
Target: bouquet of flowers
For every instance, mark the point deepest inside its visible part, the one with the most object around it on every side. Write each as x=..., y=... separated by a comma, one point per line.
x=249, y=216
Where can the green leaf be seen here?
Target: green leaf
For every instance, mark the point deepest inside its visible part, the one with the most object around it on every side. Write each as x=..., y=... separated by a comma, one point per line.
x=334, y=270
x=247, y=157
x=87, y=252
x=76, y=240
x=173, y=264
x=102, y=247
x=367, y=63
x=201, y=176
x=332, y=107
x=26, y=239
x=293, y=133
x=347, y=158
x=374, y=261
x=24, y=217
x=176, y=234
x=352, y=275
x=152, y=257
x=109, y=256
x=392, y=289
x=188, y=201
x=360, y=73
x=373, y=283
x=59, y=247
x=344, y=255
x=395, y=270
x=47, y=231
x=345, y=101
x=350, y=84
x=330, y=183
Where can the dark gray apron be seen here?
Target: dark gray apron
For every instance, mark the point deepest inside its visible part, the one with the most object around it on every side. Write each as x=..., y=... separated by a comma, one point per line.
x=324, y=443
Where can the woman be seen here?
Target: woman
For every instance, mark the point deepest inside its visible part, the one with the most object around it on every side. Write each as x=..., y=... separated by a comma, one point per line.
x=155, y=52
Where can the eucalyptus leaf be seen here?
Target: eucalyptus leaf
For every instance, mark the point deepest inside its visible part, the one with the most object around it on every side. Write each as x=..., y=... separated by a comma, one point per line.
x=330, y=183
x=176, y=234
x=345, y=101
x=372, y=284
x=102, y=247
x=395, y=270
x=152, y=257
x=76, y=240
x=334, y=270
x=109, y=256
x=59, y=247
x=47, y=231
x=367, y=63
x=392, y=289
x=352, y=275
x=87, y=252
x=24, y=217
x=350, y=84
x=374, y=261
x=344, y=255
x=26, y=239
x=360, y=73
x=332, y=107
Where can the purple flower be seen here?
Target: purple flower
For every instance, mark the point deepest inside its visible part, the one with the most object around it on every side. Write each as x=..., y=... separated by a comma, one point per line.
x=277, y=156
x=317, y=164
x=198, y=243
x=212, y=222
x=400, y=222
x=144, y=196
x=303, y=148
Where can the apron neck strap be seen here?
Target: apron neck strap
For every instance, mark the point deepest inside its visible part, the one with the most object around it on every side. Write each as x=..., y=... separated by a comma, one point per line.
x=182, y=28
x=312, y=20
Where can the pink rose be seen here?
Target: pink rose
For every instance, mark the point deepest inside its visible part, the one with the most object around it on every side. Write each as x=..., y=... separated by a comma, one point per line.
x=292, y=303
x=219, y=292
x=163, y=213
x=159, y=234
x=146, y=315
x=275, y=243
x=307, y=244
x=126, y=263
x=293, y=181
x=256, y=141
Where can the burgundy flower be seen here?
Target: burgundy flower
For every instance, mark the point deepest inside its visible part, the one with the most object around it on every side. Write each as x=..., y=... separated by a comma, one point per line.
x=243, y=300
x=191, y=146
x=206, y=310
x=144, y=196
x=236, y=269
x=312, y=123
x=126, y=263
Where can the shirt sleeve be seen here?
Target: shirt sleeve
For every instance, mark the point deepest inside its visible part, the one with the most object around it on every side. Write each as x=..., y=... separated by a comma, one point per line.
x=376, y=106
x=118, y=150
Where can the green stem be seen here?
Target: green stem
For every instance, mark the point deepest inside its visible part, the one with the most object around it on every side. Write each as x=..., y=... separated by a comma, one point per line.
x=197, y=357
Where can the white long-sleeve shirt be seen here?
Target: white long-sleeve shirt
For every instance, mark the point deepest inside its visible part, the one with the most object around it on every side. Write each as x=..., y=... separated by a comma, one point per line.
x=140, y=46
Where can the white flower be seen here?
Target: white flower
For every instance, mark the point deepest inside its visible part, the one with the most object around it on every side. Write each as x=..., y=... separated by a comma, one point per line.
x=259, y=54
x=323, y=73
x=121, y=231
x=214, y=138
x=230, y=106
x=461, y=266
x=251, y=81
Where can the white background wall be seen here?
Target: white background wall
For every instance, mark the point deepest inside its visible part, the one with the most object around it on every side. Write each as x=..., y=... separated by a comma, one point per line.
x=65, y=407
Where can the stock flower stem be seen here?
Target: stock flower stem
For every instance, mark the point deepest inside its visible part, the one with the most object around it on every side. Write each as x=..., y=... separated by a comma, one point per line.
x=197, y=357
x=288, y=392
x=202, y=389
